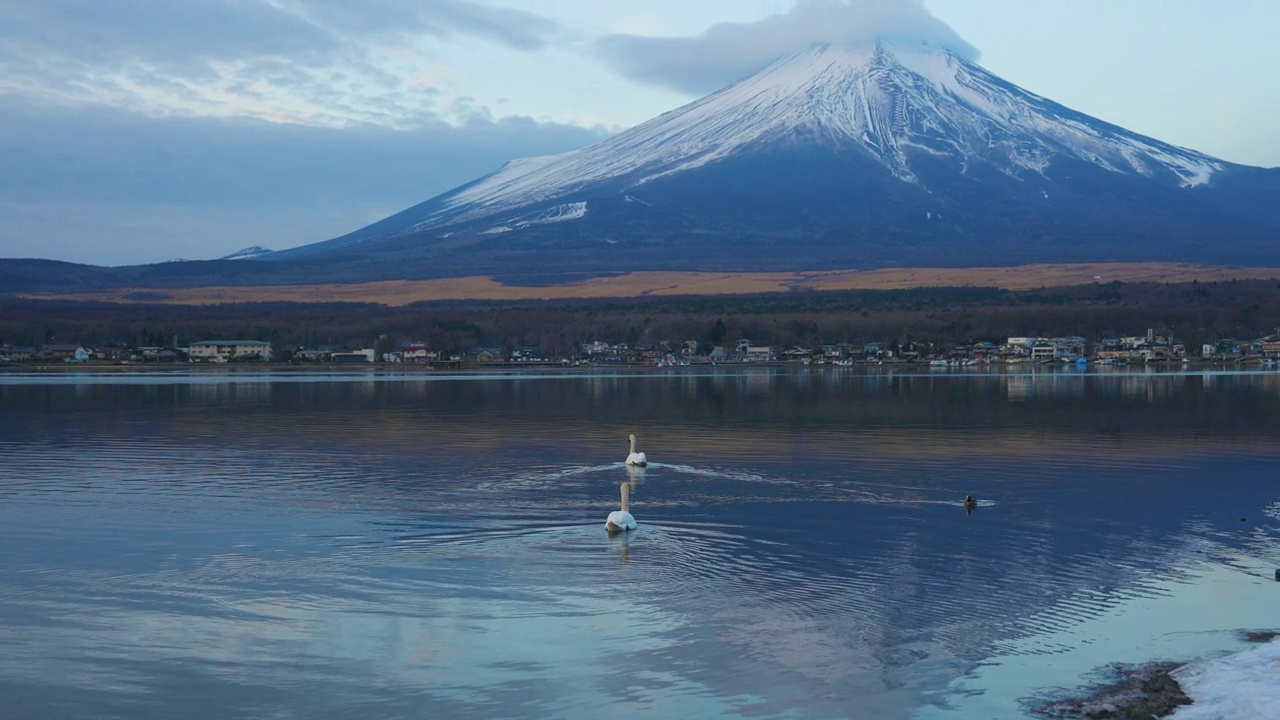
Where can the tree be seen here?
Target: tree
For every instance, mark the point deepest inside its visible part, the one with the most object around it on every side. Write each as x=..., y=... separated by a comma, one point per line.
x=383, y=345
x=718, y=332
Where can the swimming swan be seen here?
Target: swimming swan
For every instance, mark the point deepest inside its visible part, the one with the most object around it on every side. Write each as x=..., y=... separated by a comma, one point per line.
x=636, y=458
x=620, y=520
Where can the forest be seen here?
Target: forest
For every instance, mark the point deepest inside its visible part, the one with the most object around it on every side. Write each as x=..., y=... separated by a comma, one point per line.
x=1193, y=313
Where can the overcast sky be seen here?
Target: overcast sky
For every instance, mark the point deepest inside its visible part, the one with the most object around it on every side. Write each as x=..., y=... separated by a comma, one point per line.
x=137, y=131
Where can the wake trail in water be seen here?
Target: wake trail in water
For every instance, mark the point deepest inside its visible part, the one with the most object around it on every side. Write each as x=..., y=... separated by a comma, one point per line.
x=655, y=475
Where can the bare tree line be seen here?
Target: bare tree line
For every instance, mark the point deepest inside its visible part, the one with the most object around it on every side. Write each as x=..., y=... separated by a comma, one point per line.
x=1192, y=312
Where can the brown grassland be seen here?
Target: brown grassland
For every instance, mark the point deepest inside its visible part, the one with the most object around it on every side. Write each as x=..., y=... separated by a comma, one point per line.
x=399, y=293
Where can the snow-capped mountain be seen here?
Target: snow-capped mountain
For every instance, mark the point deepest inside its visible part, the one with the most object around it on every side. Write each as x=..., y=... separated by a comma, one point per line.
x=845, y=157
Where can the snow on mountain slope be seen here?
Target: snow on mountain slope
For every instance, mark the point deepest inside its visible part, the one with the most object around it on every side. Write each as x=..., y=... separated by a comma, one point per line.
x=893, y=103
x=893, y=155
x=555, y=214
x=254, y=251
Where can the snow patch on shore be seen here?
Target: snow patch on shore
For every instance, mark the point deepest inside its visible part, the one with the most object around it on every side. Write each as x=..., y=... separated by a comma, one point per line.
x=1242, y=685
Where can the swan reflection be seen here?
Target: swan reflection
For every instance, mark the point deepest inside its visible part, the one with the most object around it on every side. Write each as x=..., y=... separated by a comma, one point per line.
x=635, y=474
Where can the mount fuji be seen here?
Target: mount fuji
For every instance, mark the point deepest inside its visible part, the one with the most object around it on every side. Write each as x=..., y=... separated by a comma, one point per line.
x=838, y=157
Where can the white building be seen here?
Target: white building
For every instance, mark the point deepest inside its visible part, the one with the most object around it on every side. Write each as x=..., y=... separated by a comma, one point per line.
x=228, y=350
x=366, y=355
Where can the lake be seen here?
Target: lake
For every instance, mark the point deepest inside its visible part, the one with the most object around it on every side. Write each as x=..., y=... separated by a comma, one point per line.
x=386, y=545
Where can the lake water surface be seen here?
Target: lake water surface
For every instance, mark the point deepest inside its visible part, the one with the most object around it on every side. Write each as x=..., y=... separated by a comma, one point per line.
x=377, y=545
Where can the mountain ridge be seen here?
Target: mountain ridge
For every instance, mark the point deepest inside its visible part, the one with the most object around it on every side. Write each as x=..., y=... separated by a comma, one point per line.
x=920, y=129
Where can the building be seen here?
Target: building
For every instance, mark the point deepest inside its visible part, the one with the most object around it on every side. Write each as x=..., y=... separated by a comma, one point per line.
x=1044, y=352
x=18, y=353
x=418, y=353
x=366, y=355
x=1270, y=346
x=63, y=353
x=798, y=354
x=528, y=355
x=221, y=351
x=157, y=355
x=485, y=356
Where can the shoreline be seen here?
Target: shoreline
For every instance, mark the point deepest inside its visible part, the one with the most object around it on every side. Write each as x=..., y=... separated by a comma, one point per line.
x=1129, y=692
x=1138, y=692
x=1024, y=368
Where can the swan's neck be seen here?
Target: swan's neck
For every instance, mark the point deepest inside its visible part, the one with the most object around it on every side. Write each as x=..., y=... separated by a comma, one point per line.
x=633, y=444
x=626, y=493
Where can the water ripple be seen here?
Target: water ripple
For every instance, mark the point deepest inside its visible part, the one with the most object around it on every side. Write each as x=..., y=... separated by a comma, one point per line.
x=438, y=547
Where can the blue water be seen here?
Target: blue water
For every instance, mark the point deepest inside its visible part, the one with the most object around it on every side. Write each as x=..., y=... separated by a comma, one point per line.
x=366, y=545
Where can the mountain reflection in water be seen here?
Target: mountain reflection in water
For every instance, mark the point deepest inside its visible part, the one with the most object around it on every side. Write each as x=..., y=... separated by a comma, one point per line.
x=389, y=545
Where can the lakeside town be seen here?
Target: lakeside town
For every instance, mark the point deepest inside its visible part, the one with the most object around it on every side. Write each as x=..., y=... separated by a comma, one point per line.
x=1147, y=348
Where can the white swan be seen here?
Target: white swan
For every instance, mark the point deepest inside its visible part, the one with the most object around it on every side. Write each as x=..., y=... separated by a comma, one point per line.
x=620, y=520
x=636, y=458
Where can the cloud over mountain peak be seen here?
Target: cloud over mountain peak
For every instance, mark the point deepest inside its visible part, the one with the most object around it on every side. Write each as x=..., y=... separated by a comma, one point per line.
x=728, y=52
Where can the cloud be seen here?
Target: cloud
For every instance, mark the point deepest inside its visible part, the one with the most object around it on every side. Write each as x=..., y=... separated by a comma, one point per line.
x=147, y=130
x=729, y=52
x=154, y=32
x=107, y=186
x=165, y=33
x=511, y=27
x=318, y=62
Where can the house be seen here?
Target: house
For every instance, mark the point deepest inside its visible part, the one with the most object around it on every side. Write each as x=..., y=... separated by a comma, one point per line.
x=838, y=351
x=221, y=351
x=168, y=355
x=983, y=350
x=19, y=353
x=527, y=355
x=366, y=355
x=305, y=355
x=111, y=353
x=1044, y=352
x=1070, y=347
x=418, y=353
x=798, y=354
x=1114, y=349
x=63, y=353
x=912, y=350
x=595, y=347
x=157, y=355
x=1270, y=345
x=485, y=356
x=649, y=354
